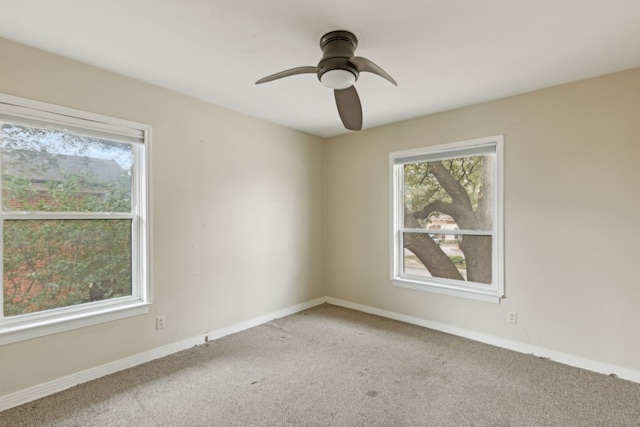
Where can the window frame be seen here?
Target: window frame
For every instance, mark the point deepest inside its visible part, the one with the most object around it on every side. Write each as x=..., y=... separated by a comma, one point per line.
x=22, y=111
x=479, y=146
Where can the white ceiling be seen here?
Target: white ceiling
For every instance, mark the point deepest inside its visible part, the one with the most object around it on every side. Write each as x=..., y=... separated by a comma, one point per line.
x=443, y=53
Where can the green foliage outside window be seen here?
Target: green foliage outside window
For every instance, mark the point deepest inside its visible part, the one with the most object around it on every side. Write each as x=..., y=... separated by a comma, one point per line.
x=461, y=191
x=58, y=262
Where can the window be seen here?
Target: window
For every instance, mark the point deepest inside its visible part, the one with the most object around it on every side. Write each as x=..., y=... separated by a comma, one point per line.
x=447, y=219
x=74, y=219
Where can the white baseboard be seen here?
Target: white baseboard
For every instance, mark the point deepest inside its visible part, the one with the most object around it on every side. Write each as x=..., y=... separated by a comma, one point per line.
x=60, y=384
x=219, y=333
x=564, y=358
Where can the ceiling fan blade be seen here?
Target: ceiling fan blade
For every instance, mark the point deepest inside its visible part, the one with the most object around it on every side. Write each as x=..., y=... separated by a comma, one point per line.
x=287, y=73
x=349, y=107
x=363, y=64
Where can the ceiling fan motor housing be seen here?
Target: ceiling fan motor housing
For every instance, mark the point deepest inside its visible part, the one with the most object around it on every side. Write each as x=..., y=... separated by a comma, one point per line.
x=337, y=48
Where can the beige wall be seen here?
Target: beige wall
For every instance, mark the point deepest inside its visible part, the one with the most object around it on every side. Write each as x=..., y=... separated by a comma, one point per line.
x=571, y=202
x=236, y=209
x=230, y=192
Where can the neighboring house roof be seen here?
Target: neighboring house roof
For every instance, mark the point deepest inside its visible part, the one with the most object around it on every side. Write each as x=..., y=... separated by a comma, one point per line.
x=38, y=167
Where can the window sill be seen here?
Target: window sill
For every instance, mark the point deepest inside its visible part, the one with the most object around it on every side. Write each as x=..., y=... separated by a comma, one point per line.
x=489, y=295
x=21, y=332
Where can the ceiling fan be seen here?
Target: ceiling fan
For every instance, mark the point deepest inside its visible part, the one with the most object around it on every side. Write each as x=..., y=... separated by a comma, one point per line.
x=339, y=69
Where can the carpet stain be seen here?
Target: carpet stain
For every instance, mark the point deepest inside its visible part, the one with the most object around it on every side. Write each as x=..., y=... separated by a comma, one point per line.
x=372, y=393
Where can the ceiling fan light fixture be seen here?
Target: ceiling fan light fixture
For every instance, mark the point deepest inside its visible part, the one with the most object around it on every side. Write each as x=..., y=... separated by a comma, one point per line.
x=338, y=79
x=339, y=69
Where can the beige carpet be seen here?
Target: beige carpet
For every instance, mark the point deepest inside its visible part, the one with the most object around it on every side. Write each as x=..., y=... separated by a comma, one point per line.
x=330, y=366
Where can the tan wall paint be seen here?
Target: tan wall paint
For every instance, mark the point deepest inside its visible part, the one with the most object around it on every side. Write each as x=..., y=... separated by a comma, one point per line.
x=571, y=202
x=229, y=191
x=236, y=210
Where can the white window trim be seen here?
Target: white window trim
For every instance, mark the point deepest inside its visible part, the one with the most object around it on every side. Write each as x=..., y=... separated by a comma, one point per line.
x=27, y=326
x=490, y=293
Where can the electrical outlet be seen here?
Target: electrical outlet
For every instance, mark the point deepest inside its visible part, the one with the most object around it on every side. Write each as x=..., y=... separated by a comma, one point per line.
x=512, y=317
x=159, y=322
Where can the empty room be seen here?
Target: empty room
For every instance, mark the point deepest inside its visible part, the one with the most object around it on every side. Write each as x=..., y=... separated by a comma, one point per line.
x=234, y=213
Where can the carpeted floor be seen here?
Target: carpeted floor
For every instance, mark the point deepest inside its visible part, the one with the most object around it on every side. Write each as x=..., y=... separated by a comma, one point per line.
x=330, y=366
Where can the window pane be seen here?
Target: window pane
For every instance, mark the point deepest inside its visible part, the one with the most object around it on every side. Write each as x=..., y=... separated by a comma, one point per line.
x=454, y=257
x=52, y=170
x=59, y=263
x=452, y=194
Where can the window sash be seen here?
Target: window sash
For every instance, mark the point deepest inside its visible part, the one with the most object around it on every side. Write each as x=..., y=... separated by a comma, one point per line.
x=448, y=232
x=139, y=289
x=20, y=111
x=420, y=156
x=33, y=113
x=461, y=284
x=397, y=160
